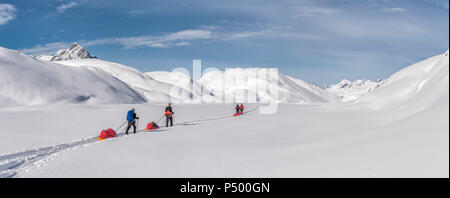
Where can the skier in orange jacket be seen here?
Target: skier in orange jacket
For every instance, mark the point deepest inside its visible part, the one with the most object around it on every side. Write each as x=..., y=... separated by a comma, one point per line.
x=169, y=115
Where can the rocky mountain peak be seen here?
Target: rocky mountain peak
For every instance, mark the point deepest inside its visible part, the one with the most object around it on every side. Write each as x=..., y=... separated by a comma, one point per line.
x=75, y=51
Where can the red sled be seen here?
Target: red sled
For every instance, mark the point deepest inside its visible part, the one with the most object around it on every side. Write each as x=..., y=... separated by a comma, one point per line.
x=151, y=126
x=108, y=133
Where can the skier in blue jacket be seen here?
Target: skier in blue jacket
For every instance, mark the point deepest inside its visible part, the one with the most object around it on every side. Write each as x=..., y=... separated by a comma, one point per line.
x=131, y=118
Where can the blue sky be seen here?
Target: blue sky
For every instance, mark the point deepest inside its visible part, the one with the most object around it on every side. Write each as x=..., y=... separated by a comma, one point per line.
x=320, y=41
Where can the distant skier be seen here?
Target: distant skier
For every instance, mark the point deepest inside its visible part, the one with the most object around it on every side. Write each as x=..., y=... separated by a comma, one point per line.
x=241, y=108
x=169, y=115
x=131, y=118
x=237, y=109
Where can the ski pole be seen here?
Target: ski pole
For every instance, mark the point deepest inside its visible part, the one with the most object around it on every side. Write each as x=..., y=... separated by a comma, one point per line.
x=160, y=123
x=160, y=118
x=137, y=124
x=121, y=126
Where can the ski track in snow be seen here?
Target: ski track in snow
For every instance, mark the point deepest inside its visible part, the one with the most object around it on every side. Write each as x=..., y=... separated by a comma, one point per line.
x=13, y=164
x=421, y=85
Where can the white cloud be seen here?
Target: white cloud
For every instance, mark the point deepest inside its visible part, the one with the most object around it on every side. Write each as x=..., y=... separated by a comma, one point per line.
x=62, y=8
x=181, y=38
x=7, y=13
x=156, y=41
x=136, y=13
x=182, y=44
x=173, y=39
x=394, y=9
x=311, y=11
x=49, y=48
x=245, y=34
x=188, y=35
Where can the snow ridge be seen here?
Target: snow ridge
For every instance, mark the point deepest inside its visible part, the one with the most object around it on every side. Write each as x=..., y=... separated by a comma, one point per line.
x=348, y=91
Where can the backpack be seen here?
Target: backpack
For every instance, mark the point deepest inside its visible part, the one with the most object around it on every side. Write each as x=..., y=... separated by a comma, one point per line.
x=130, y=115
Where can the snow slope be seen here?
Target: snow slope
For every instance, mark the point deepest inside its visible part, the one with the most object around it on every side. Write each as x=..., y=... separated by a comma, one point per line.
x=348, y=91
x=318, y=142
x=153, y=90
x=416, y=88
x=169, y=77
x=235, y=84
x=25, y=80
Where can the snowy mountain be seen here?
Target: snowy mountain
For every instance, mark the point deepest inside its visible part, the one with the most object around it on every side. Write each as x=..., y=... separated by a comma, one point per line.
x=242, y=85
x=348, y=91
x=416, y=88
x=232, y=85
x=153, y=90
x=160, y=86
x=25, y=80
x=45, y=57
x=75, y=51
x=238, y=83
